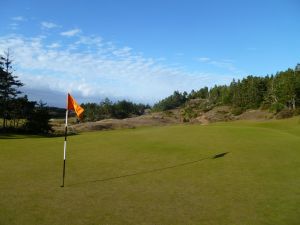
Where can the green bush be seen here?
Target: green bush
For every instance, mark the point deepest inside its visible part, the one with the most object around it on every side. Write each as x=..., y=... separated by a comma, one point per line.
x=39, y=120
x=297, y=112
x=277, y=107
x=188, y=114
x=237, y=111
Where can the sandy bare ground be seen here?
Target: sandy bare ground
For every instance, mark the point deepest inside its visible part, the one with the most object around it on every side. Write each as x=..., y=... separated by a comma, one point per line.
x=218, y=114
x=108, y=124
x=153, y=119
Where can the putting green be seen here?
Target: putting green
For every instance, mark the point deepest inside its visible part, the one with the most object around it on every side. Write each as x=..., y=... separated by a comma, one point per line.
x=156, y=175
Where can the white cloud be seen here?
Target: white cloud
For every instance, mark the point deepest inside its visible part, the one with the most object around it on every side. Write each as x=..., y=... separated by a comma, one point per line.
x=227, y=64
x=203, y=59
x=14, y=26
x=99, y=68
x=18, y=18
x=48, y=25
x=89, y=40
x=54, y=45
x=122, y=52
x=70, y=33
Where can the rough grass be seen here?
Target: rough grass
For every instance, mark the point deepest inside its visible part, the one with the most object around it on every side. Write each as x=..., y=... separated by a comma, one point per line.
x=156, y=175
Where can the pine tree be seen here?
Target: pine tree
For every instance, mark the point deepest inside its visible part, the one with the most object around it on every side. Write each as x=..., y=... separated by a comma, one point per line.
x=9, y=85
x=38, y=119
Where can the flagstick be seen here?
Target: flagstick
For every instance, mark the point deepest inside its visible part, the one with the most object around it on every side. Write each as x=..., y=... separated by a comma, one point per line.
x=65, y=148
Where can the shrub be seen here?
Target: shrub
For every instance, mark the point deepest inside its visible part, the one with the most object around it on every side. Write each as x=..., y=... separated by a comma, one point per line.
x=237, y=111
x=277, y=107
x=38, y=120
x=285, y=113
x=188, y=113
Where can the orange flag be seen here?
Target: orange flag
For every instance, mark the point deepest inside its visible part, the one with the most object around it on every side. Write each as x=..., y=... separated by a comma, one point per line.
x=73, y=105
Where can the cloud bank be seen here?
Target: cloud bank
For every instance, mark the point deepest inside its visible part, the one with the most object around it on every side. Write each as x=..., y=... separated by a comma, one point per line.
x=70, y=33
x=48, y=25
x=93, y=68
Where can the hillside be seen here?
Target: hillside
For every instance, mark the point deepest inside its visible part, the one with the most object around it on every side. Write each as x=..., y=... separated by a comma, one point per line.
x=251, y=98
x=190, y=113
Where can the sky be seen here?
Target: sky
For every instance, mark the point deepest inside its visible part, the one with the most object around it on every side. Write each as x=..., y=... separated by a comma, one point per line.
x=144, y=50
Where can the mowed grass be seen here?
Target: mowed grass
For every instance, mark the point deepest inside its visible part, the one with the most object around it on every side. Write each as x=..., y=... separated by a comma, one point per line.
x=155, y=175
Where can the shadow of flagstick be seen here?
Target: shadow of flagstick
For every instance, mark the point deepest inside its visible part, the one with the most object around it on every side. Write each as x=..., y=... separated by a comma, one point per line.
x=152, y=171
x=220, y=155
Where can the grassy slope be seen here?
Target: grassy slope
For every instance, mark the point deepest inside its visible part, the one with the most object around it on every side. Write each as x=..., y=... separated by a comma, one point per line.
x=256, y=183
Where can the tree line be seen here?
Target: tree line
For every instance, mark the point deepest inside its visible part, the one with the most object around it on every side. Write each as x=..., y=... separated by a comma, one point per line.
x=16, y=111
x=107, y=109
x=274, y=92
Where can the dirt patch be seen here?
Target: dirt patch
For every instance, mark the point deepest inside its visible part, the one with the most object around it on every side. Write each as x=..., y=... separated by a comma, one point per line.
x=224, y=113
x=217, y=114
x=255, y=115
x=154, y=119
x=201, y=119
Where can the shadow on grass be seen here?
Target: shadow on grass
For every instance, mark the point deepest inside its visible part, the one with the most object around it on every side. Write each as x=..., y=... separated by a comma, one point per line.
x=24, y=135
x=220, y=155
x=152, y=171
x=21, y=136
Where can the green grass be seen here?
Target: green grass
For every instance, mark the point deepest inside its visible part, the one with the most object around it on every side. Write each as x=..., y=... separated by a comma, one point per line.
x=155, y=175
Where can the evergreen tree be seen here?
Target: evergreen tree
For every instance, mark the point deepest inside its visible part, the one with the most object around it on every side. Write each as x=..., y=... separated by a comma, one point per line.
x=9, y=85
x=173, y=101
x=38, y=120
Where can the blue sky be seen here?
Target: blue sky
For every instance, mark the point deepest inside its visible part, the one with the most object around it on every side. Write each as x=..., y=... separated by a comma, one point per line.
x=144, y=50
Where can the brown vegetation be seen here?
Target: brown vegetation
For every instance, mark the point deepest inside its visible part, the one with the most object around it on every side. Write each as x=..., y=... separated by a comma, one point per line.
x=176, y=116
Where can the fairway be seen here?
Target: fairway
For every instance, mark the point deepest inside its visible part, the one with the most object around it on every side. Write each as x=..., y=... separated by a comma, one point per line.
x=155, y=175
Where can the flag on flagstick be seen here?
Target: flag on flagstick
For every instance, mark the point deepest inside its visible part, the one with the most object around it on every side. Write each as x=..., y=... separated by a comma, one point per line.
x=71, y=105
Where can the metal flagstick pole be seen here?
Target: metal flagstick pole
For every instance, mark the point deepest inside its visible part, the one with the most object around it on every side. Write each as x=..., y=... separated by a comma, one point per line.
x=65, y=148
